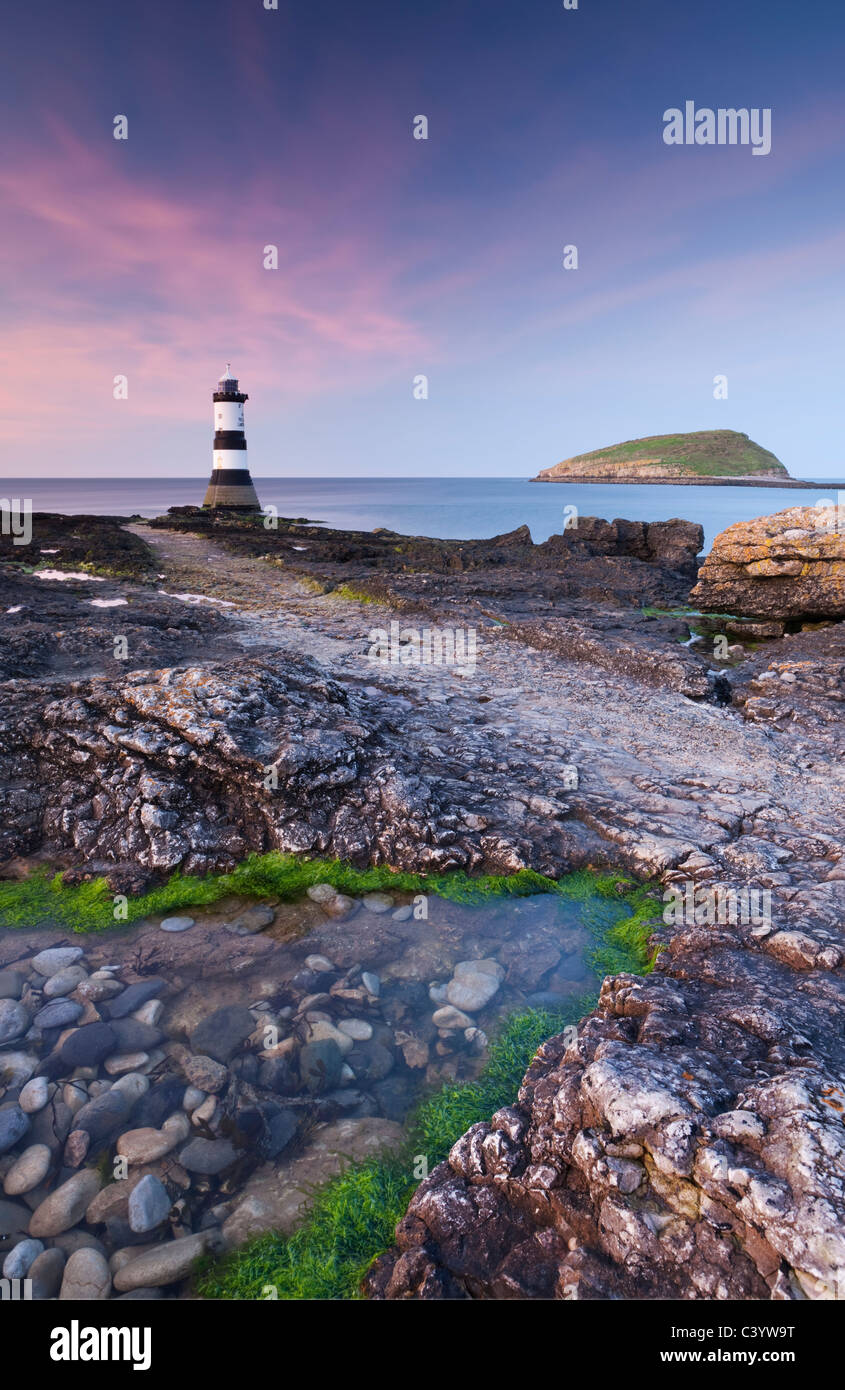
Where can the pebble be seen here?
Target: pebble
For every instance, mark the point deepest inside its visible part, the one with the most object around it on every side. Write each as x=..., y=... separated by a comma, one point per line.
x=34, y=1095
x=451, y=1018
x=402, y=913
x=13, y=1126
x=16, y=1068
x=59, y=1014
x=192, y=1098
x=208, y=1156
x=164, y=1264
x=377, y=902
x=46, y=1272
x=474, y=984
x=204, y=1073
x=145, y=1145
x=134, y=996
x=126, y=1062
x=94, y=991
x=177, y=924
x=323, y=1030
x=149, y=1204
x=55, y=959
x=159, y=1102
x=321, y=892
x=76, y=1148
x=132, y=1085
x=150, y=1012
x=221, y=1034
x=27, y=1171
x=87, y=1276
x=66, y=1206
x=102, y=1116
x=371, y=983
x=11, y=984
x=65, y=981
x=320, y=1062
x=255, y=919
x=14, y=1020
x=319, y=964
x=19, y=1259
x=75, y=1095
x=87, y=1046
x=356, y=1028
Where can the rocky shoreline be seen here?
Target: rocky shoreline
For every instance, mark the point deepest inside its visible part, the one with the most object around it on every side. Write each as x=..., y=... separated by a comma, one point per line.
x=688, y=1143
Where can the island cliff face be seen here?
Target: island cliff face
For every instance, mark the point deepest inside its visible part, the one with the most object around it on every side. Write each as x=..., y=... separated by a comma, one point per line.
x=705, y=456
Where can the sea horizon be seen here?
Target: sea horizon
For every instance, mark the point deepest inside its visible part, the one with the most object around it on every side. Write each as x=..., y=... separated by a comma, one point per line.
x=452, y=508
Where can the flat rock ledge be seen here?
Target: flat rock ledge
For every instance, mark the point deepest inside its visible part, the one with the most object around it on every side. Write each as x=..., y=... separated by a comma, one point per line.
x=686, y=1141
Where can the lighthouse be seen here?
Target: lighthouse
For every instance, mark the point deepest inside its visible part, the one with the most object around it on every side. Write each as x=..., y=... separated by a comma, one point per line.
x=230, y=485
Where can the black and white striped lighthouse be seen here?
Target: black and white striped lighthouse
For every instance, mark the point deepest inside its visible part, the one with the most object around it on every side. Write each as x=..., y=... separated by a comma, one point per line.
x=230, y=484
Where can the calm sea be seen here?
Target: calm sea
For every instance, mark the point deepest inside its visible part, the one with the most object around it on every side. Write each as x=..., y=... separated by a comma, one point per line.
x=447, y=507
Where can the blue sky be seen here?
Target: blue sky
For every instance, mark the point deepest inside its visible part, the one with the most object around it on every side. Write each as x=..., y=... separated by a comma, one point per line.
x=398, y=257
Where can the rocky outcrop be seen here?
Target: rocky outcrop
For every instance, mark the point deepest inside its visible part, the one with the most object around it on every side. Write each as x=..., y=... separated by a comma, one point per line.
x=789, y=565
x=685, y=1142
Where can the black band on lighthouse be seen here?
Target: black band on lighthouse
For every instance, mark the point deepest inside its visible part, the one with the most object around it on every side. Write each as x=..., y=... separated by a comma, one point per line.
x=230, y=477
x=230, y=439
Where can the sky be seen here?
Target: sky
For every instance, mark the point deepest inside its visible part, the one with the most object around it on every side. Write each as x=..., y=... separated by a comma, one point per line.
x=400, y=257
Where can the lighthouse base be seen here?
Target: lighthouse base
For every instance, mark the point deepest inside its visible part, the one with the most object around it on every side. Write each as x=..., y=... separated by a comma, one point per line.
x=232, y=489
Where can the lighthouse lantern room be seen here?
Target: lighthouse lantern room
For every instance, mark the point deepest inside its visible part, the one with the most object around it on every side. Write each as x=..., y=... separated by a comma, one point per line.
x=230, y=485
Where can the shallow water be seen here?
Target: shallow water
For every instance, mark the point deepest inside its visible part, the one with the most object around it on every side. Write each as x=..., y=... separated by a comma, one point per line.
x=348, y=1036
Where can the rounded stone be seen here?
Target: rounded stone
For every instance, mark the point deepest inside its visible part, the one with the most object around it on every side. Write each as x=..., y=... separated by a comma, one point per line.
x=205, y=1074
x=221, y=1034
x=192, y=1098
x=321, y=893
x=55, y=959
x=87, y=1276
x=371, y=983
x=164, y=1264
x=89, y=1045
x=134, y=996
x=14, y=1020
x=19, y=1259
x=177, y=924
x=66, y=1206
x=161, y=1100
x=377, y=902
x=65, y=981
x=208, y=1157
x=14, y=1124
x=102, y=1116
x=45, y=1273
x=34, y=1095
x=126, y=1062
x=11, y=984
x=356, y=1028
x=59, y=1014
x=30, y=1169
x=145, y=1145
x=149, y=1204
x=320, y=1064
x=318, y=964
x=451, y=1018
x=16, y=1068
